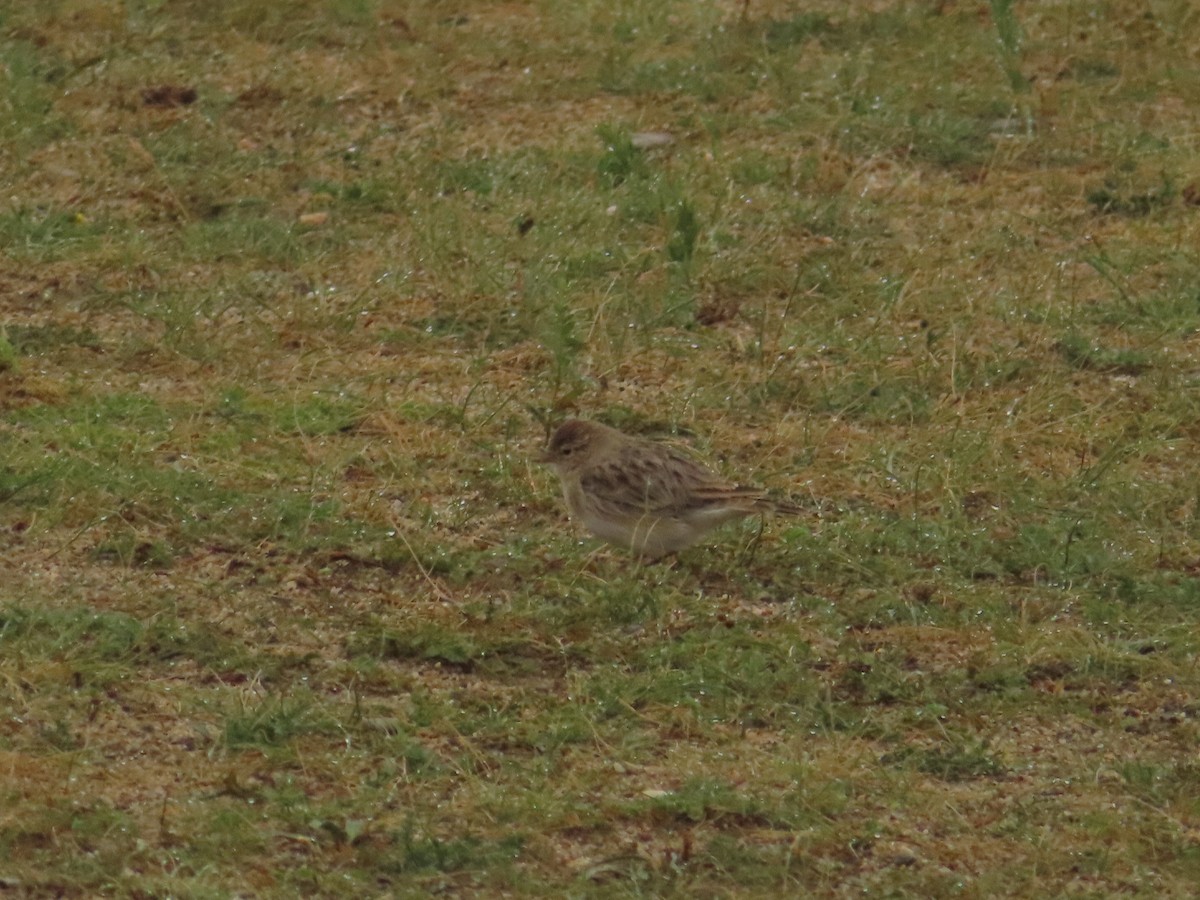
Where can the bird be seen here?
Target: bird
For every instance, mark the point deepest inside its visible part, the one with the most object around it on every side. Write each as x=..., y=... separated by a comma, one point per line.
x=643, y=495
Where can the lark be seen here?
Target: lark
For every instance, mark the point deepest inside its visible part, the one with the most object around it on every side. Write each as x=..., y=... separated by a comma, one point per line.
x=648, y=497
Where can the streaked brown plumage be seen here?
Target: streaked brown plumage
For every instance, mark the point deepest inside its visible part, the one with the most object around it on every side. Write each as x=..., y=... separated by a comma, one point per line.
x=644, y=495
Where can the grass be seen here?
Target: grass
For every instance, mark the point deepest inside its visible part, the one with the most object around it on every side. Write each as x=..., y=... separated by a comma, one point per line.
x=293, y=293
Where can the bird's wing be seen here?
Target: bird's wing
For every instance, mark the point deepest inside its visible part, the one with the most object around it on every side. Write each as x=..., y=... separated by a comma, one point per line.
x=665, y=483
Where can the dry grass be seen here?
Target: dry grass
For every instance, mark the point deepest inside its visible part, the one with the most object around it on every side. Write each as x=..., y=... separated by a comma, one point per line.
x=291, y=294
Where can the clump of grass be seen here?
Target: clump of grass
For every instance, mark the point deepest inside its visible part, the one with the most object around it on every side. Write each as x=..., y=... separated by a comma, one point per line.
x=1082, y=353
x=1116, y=197
x=685, y=231
x=1008, y=34
x=621, y=160
x=273, y=721
x=8, y=354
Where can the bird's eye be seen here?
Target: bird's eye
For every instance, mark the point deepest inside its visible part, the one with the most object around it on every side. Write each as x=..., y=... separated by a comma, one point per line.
x=567, y=451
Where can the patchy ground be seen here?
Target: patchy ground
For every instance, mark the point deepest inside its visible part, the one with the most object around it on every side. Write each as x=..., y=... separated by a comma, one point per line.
x=292, y=294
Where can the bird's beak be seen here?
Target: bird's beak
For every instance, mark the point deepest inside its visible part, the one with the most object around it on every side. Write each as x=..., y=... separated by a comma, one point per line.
x=544, y=457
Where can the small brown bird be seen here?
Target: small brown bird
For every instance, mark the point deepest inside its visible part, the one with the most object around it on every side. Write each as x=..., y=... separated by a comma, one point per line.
x=644, y=495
